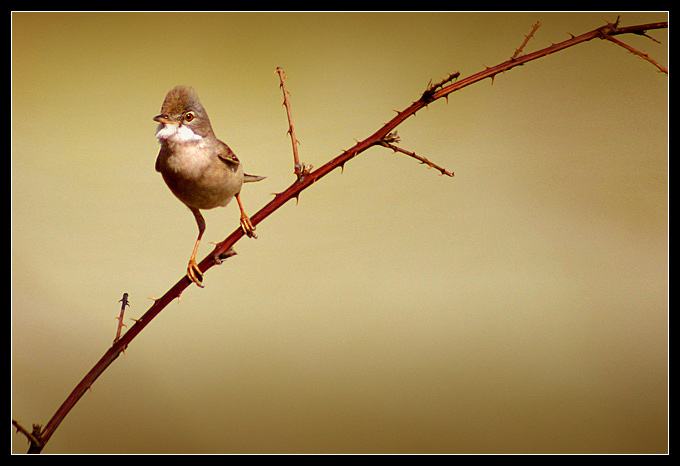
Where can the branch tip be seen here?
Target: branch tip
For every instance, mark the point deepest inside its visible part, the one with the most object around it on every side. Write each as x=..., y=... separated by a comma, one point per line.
x=300, y=169
x=527, y=38
x=125, y=303
x=633, y=50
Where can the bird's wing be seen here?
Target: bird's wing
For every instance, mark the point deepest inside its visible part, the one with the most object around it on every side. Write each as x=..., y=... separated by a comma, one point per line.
x=227, y=155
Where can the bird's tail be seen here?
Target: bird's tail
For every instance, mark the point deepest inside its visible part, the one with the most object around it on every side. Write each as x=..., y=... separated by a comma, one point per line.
x=252, y=178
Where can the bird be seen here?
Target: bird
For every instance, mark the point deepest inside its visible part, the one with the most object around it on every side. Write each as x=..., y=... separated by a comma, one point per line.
x=200, y=170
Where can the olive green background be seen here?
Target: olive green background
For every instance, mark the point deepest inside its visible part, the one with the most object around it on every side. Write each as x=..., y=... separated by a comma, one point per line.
x=519, y=307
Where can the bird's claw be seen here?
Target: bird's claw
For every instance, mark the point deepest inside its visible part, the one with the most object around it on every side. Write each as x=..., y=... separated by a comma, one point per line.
x=247, y=226
x=194, y=273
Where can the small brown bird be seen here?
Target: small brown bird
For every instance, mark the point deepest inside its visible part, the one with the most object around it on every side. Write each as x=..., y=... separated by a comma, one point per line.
x=199, y=169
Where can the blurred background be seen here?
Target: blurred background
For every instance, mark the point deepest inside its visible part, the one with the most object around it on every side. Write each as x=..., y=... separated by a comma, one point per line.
x=519, y=307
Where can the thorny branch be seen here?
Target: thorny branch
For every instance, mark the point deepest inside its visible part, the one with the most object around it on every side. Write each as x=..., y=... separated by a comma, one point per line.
x=608, y=35
x=40, y=437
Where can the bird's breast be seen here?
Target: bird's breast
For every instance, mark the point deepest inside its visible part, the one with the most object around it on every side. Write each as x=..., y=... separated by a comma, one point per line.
x=198, y=177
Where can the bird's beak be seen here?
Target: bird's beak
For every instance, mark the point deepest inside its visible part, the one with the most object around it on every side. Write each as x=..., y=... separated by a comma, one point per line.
x=163, y=118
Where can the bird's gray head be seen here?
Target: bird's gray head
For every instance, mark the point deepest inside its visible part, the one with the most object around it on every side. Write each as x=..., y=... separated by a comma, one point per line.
x=183, y=119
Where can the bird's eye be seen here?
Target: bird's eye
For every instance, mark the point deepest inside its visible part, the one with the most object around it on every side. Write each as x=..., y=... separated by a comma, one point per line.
x=189, y=116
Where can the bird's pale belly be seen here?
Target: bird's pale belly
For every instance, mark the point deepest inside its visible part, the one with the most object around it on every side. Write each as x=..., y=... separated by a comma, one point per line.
x=198, y=178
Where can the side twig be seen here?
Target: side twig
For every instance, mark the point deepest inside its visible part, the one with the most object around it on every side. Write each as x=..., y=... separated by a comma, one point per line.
x=392, y=137
x=300, y=168
x=120, y=317
x=441, y=90
x=644, y=56
x=33, y=437
x=528, y=37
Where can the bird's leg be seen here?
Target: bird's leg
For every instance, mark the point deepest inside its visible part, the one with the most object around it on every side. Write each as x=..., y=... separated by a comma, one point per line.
x=193, y=272
x=246, y=225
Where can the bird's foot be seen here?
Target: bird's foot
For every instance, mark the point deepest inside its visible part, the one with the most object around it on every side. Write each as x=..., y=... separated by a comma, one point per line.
x=194, y=273
x=247, y=226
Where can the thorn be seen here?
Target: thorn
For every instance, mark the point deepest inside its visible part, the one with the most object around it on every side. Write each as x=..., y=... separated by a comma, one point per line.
x=121, y=324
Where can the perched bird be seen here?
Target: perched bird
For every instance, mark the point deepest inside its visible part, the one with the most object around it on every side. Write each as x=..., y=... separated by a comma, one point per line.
x=199, y=169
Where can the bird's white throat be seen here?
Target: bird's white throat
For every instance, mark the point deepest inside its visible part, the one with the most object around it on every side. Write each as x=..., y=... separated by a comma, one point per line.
x=176, y=133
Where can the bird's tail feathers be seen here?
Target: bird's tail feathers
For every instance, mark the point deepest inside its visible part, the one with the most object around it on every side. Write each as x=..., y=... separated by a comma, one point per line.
x=252, y=178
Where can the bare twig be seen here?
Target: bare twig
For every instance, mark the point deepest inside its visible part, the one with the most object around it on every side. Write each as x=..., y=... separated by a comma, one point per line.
x=392, y=137
x=120, y=317
x=33, y=437
x=526, y=40
x=644, y=56
x=441, y=90
x=300, y=168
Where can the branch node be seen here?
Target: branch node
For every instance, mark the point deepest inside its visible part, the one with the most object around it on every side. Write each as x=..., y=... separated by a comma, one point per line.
x=428, y=95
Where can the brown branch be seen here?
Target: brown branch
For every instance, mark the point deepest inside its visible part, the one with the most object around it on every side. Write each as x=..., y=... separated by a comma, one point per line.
x=599, y=33
x=294, y=190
